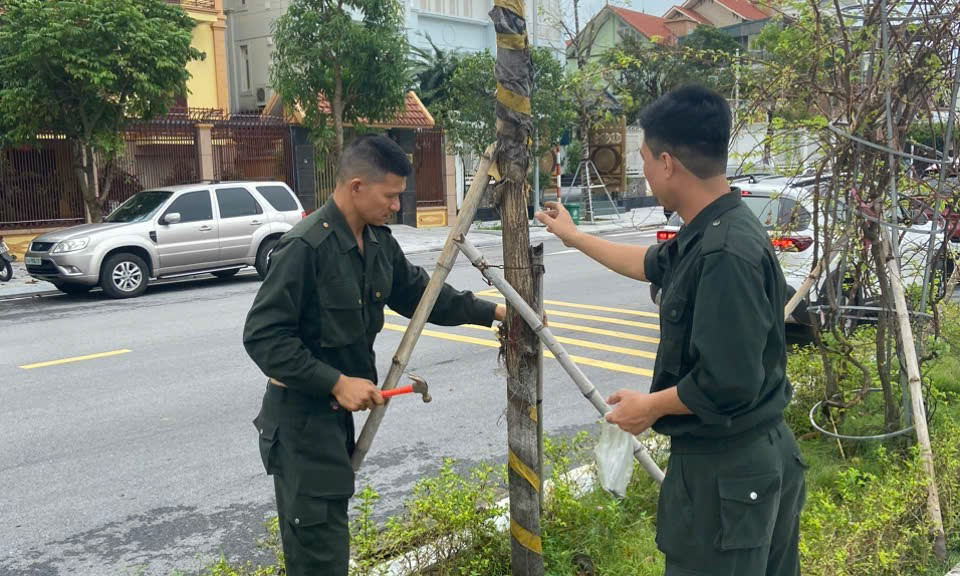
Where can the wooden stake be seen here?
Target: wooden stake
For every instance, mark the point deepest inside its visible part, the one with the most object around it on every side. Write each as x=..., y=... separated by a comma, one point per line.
x=533, y=319
x=415, y=327
x=909, y=353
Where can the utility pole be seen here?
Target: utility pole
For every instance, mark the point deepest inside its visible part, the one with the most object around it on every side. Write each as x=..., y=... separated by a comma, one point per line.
x=536, y=133
x=520, y=344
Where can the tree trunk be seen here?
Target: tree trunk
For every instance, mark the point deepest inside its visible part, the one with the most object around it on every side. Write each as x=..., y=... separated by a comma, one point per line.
x=521, y=346
x=336, y=108
x=586, y=198
x=85, y=168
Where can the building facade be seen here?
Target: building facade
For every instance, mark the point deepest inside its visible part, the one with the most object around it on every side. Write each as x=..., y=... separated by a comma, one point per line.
x=208, y=86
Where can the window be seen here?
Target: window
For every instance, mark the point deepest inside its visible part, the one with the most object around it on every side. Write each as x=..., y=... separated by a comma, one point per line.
x=192, y=207
x=766, y=209
x=793, y=216
x=245, y=68
x=279, y=197
x=237, y=202
x=462, y=8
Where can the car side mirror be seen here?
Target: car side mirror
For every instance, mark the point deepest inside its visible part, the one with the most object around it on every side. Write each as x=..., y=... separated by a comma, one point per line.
x=171, y=218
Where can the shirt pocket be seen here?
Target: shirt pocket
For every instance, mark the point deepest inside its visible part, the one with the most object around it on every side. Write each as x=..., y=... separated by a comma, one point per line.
x=341, y=310
x=673, y=333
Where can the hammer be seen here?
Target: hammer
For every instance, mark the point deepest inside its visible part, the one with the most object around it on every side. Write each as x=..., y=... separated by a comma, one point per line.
x=419, y=386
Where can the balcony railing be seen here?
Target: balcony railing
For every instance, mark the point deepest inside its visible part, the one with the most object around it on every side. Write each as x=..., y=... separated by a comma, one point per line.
x=202, y=4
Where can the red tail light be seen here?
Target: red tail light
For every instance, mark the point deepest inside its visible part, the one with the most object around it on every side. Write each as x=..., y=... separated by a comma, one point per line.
x=792, y=243
x=303, y=214
x=664, y=235
x=745, y=192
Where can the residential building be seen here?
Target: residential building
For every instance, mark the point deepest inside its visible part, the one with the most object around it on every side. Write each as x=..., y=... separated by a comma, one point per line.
x=461, y=25
x=612, y=24
x=208, y=85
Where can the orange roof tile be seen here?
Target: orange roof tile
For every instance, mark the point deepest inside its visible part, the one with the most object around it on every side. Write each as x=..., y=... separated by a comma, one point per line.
x=689, y=13
x=743, y=8
x=413, y=114
x=648, y=25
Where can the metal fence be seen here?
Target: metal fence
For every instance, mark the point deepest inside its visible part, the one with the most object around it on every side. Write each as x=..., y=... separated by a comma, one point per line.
x=429, y=167
x=251, y=147
x=205, y=4
x=39, y=187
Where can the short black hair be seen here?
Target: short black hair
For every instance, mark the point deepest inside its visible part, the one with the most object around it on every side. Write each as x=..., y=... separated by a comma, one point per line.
x=372, y=156
x=692, y=124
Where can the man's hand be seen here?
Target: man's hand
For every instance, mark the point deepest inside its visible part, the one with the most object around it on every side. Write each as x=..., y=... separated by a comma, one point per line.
x=558, y=222
x=633, y=411
x=355, y=394
x=500, y=314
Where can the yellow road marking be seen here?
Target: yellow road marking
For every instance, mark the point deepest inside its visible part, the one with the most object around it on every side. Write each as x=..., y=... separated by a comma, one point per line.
x=603, y=332
x=584, y=343
x=496, y=294
x=74, y=359
x=605, y=319
x=490, y=343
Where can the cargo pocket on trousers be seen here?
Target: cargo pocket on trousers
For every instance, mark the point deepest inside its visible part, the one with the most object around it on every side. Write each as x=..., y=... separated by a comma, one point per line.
x=308, y=511
x=268, y=443
x=748, y=510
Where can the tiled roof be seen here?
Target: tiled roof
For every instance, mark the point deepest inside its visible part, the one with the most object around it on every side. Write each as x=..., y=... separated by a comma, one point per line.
x=744, y=9
x=646, y=24
x=691, y=14
x=413, y=115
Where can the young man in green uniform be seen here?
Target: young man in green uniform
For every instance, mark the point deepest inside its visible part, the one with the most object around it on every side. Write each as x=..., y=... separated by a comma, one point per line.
x=734, y=488
x=311, y=330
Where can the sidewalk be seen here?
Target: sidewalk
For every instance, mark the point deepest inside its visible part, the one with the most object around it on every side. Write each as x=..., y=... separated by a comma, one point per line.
x=412, y=240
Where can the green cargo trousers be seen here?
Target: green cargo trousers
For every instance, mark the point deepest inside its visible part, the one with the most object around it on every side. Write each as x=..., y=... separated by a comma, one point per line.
x=305, y=445
x=732, y=508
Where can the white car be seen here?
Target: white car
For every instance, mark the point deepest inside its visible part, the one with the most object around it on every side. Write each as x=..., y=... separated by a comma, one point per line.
x=785, y=208
x=205, y=228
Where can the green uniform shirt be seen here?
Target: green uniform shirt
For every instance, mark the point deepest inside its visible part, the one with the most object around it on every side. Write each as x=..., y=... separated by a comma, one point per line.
x=320, y=306
x=721, y=323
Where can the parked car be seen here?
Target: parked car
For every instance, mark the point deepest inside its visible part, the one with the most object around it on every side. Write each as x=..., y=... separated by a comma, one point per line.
x=207, y=228
x=785, y=209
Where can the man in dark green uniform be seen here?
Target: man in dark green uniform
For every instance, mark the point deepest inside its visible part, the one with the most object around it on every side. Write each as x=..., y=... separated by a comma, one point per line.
x=311, y=330
x=730, y=503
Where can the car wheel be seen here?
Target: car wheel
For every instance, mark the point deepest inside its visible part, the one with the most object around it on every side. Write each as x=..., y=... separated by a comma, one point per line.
x=124, y=276
x=263, y=256
x=6, y=271
x=226, y=273
x=73, y=288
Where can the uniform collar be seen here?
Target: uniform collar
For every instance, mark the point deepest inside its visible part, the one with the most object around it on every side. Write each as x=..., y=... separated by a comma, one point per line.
x=708, y=216
x=345, y=238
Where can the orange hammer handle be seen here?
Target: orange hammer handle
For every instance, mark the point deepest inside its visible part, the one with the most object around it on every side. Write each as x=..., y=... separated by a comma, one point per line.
x=397, y=391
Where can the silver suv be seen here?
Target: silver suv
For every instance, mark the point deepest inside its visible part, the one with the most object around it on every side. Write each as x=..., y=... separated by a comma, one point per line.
x=216, y=228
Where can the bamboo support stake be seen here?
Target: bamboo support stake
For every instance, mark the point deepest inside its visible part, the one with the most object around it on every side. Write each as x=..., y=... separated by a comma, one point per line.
x=415, y=327
x=812, y=278
x=916, y=399
x=550, y=341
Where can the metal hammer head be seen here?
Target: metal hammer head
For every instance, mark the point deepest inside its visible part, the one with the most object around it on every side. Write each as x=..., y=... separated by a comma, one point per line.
x=420, y=386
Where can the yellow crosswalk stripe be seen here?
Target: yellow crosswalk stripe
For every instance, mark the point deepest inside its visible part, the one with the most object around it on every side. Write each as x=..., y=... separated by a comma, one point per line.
x=604, y=319
x=495, y=294
x=490, y=343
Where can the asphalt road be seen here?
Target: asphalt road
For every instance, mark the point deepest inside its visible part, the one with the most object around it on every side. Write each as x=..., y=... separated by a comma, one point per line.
x=128, y=447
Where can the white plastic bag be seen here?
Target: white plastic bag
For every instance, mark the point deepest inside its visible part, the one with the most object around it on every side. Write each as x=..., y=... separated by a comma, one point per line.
x=614, y=459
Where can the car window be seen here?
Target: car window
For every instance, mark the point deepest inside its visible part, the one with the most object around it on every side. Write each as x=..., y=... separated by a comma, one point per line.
x=193, y=207
x=139, y=207
x=237, y=202
x=793, y=216
x=279, y=197
x=766, y=209
x=674, y=220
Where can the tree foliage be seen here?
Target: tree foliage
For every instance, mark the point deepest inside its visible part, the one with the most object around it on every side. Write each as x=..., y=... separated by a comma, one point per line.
x=84, y=69
x=341, y=61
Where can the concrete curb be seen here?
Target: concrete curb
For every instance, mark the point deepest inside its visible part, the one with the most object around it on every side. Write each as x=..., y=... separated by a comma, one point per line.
x=954, y=572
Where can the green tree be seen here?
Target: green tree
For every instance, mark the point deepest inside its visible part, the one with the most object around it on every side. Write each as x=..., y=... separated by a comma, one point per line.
x=648, y=70
x=83, y=70
x=433, y=71
x=469, y=118
x=339, y=69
